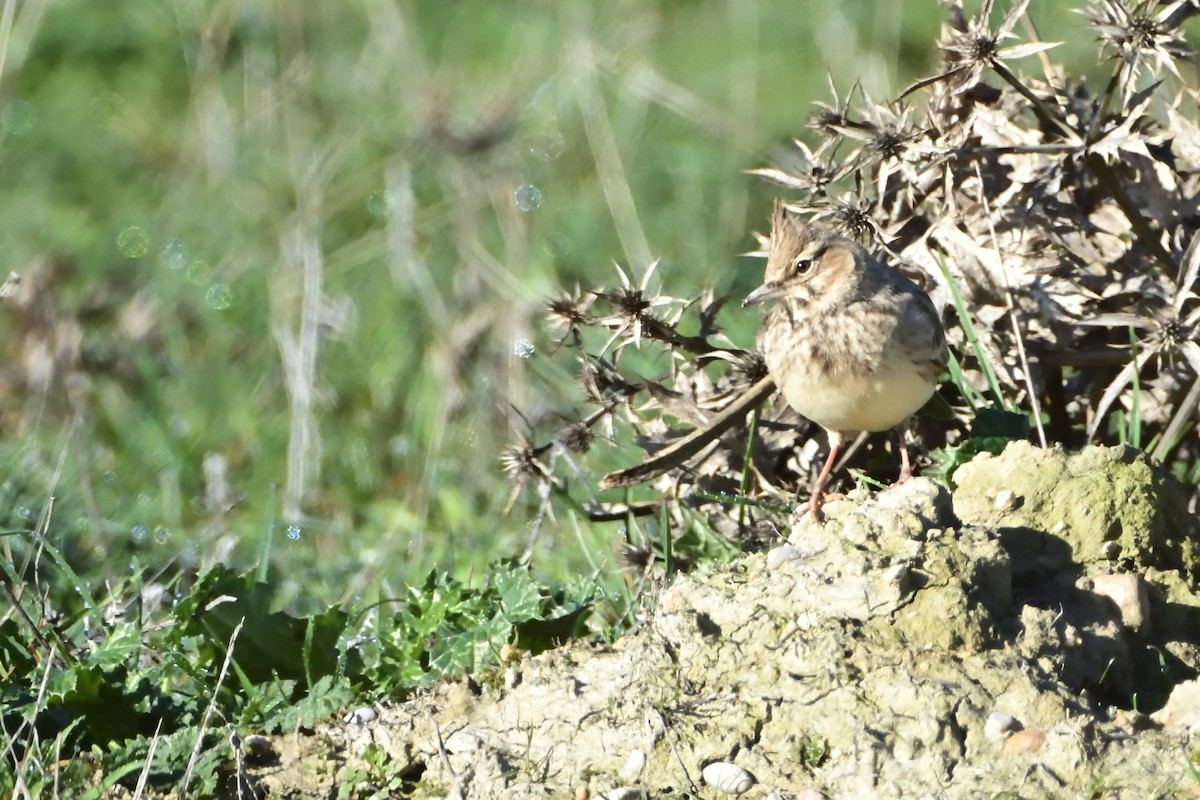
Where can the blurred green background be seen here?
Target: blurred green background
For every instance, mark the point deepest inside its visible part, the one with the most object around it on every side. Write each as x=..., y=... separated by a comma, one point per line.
x=287, y=263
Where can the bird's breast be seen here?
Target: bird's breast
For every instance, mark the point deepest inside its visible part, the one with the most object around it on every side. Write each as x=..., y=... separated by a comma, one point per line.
x=841, y=376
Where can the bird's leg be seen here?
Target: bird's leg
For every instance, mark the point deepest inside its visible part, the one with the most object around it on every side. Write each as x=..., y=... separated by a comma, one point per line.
x=906, y=471
x=905, y=466
x=818, y=494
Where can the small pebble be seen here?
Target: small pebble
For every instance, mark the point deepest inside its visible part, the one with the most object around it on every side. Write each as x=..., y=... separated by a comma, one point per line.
x=784, y=554
x=360, y=716
x=896, y=574
x=1006, y=499
x=1128, y=591
x=727, y=778
x=632, y=770
x=1182, y=711
x=999, y=725
x=1029, y=740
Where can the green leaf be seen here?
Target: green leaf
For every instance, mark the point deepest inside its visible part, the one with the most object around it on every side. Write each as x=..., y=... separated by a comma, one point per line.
x=469, y=647
x=272, y=643
x=520, y=597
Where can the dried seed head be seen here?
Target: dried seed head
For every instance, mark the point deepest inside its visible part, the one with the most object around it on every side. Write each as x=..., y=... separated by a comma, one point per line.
x=577, y=438
x=1140, y=34
x=1173, y=332
x=634, y=557
x=827, y=119
x=973, y=47
x=628, y=301
x=855, y=222
x=570, y=311
x=520, y=461
x=888, y=141
x=750, y=368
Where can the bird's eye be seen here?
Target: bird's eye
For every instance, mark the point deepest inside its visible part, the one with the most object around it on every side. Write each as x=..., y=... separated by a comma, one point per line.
x=803, y=266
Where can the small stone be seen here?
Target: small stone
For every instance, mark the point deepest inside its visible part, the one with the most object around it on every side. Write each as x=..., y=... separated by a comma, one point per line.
x=632, y=771
x=1182, y=709
x=361, y=716
x=784, y=554
x=1005, y=500
x=1128, y=591
x=727, y=778
x=999, y=725
x=895, y=574
x=1029, y=740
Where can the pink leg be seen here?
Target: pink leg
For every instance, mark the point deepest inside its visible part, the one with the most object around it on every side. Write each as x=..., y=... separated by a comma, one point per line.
x=818, y=495
x=905, y=465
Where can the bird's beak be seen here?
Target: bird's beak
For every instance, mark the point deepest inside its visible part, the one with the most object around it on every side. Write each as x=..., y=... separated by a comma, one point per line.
x=762, y=294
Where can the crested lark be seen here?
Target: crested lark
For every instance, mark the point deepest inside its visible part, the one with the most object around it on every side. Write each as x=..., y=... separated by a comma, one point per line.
x=852, y=344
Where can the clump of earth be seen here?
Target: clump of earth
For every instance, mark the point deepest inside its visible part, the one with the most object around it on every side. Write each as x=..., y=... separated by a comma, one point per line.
x=1032, y=632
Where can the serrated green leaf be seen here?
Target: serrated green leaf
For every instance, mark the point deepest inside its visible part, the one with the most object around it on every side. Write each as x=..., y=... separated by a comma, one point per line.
x=520, y=597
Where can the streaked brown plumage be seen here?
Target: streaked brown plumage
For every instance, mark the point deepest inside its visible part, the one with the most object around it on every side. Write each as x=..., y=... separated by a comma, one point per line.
x=852, y=344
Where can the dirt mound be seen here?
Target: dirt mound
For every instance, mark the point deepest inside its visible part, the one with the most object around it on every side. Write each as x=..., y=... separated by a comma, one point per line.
x=1000, y=638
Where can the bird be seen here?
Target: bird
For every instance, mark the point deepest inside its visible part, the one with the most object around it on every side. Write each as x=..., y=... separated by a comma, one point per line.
x=851, y=343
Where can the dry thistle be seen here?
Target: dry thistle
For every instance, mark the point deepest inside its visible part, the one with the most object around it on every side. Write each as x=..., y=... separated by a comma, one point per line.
x=570, y=311
x=1140, y=35
x=521, y=462
x=1058, y=231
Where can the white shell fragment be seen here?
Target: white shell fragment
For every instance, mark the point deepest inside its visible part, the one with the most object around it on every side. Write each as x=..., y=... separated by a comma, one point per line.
x=1006, y=499
x=784, y=554
x=632, y=770
x=999, y=725
x=360, y=716
x=726, y=777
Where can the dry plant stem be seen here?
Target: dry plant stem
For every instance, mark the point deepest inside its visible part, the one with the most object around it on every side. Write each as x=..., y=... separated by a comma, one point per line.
x=48, y=509
x=1039, y=108
x=1012, y=315
x=298, y=352
x=409, y=269
x=140, y=789
x=20, y=789
x=36, y=629
x=606, y=153
x=208, y=712
x=1174, y=431
x=6, y=27
x=679, y=452
x=615, y=512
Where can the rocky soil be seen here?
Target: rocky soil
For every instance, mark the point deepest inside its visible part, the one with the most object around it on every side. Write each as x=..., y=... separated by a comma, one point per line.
x=1004, y=639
